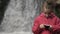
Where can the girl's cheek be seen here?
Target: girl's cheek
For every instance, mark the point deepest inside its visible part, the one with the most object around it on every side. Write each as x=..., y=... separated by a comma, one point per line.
x=45, y=9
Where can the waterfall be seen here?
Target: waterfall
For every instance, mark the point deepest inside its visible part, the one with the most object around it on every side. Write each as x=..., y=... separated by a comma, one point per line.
x=19, y=15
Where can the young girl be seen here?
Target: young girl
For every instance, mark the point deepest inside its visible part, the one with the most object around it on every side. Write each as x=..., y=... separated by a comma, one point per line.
x=47, y=22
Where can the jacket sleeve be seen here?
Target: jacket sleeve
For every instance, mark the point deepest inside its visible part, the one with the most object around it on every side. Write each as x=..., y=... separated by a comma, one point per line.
x=56, y=26
x=35, y=27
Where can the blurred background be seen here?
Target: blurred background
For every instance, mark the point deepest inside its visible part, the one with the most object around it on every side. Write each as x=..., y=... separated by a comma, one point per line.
x=17, y=16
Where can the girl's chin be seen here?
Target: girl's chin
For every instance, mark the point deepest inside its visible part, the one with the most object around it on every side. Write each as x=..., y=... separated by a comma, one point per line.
x=47, y=12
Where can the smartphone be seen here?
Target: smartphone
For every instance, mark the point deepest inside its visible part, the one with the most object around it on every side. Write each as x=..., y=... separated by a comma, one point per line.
x=47, y=26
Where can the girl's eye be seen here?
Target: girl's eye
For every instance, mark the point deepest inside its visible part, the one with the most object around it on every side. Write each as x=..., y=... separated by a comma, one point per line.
x=49, y=7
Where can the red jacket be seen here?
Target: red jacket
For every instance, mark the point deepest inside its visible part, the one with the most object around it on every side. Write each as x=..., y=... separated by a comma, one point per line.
x=51, y=20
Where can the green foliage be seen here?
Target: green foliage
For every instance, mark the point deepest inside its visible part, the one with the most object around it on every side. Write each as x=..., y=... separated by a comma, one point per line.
x=57, y=10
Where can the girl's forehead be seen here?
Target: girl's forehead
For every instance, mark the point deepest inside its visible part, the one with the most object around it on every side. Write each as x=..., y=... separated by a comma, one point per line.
x=48, y=5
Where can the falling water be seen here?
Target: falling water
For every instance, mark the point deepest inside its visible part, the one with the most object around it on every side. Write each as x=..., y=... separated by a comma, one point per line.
x=19, y=15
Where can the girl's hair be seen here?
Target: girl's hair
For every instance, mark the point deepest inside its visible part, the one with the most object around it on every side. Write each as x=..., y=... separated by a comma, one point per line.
x=57, y=6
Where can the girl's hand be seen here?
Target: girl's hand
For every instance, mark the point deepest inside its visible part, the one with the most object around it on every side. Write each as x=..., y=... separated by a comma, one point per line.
x=42, y=26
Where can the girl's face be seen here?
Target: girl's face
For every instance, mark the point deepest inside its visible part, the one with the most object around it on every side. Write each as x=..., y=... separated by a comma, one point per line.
x=47, y=9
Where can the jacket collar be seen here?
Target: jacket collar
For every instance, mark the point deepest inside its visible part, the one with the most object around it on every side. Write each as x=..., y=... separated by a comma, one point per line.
x=51, y=15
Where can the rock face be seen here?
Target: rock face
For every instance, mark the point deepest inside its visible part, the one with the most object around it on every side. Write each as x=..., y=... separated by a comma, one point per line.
x=19, y=16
